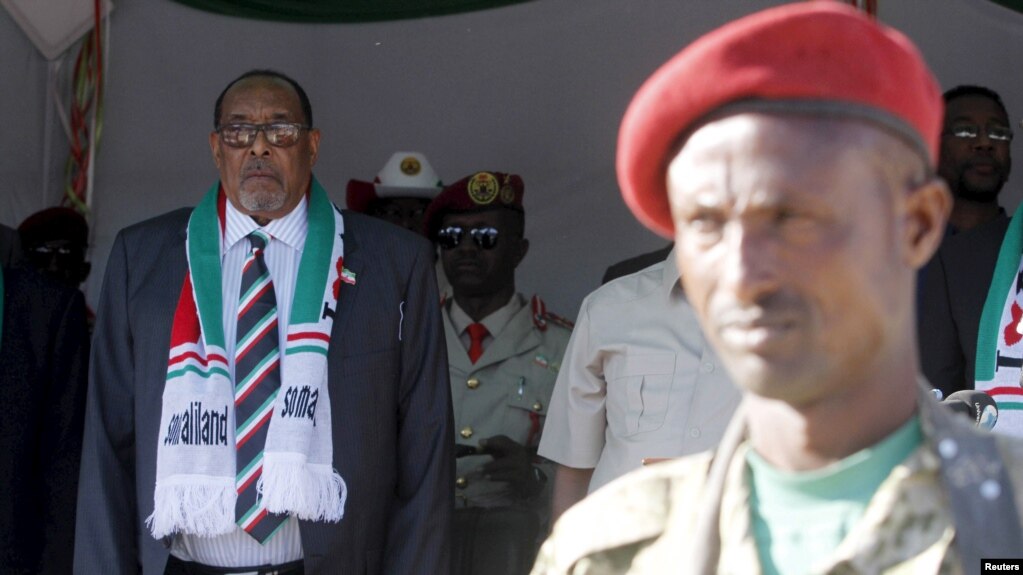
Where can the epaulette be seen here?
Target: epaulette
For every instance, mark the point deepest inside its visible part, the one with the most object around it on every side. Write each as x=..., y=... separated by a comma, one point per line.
x=541, y=316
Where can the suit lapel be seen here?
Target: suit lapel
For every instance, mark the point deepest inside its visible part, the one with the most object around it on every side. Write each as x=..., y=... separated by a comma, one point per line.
x=346, y=296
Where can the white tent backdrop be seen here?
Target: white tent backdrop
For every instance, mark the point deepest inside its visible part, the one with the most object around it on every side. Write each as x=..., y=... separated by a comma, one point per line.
x=537, y=89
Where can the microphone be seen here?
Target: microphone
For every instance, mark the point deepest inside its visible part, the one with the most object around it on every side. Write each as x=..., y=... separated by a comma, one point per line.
x=976, y=405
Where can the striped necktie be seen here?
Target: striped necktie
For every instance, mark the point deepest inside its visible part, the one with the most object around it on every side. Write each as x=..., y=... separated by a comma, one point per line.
x=257, y=380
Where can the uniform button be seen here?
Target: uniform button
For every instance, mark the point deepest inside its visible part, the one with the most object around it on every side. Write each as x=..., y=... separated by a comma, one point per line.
x=948, y=448
x=707, y=367
x=466, y=432
x=461, y=483
x=537, y=406
x=472, y=383
x=694, y=432
x=990, y=490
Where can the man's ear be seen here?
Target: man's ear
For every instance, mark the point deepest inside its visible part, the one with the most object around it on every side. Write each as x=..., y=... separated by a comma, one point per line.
x=314, y=145
x=215, y=148
x=520, y=254
x=927, y=208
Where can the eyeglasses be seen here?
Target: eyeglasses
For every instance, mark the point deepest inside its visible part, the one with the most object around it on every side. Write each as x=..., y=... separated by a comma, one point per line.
x=970, y=132
x=448, y=238
x=280, y=134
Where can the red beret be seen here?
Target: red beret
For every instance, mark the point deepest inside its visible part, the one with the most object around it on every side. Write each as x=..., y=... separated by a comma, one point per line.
x=405, y=175
x=810, y=57
x=480, y=191
x=51, y=224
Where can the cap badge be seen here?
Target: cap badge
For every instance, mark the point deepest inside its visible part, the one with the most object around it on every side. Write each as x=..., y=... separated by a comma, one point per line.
x=482, y=188
x=410, y=166
x=507, y=194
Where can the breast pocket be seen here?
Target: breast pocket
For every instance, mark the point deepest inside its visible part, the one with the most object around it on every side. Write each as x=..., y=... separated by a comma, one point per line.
x=642, y=383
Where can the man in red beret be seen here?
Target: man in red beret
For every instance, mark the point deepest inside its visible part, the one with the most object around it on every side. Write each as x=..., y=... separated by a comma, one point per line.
x=55, y=241
x=799, y=187
x=504, y=352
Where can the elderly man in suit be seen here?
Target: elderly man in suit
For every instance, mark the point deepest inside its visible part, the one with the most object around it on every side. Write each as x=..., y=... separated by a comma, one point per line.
x=268, y=391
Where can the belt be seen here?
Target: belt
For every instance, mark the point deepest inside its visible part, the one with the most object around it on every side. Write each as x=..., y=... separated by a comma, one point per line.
x=175, y=565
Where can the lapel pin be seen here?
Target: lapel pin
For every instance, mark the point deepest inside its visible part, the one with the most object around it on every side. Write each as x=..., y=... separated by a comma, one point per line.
x=348, y=276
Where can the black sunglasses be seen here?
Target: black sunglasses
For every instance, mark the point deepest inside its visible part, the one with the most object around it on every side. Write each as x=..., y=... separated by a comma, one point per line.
x=448, y=238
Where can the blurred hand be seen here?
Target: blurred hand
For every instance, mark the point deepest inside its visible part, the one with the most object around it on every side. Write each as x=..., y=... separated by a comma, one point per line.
x=512, y=464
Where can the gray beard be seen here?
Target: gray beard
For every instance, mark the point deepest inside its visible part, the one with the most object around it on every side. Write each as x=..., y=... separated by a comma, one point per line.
x=262, y=201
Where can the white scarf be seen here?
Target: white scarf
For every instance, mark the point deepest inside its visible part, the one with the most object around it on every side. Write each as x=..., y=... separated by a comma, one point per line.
x=1000, y=334
x=195, y=464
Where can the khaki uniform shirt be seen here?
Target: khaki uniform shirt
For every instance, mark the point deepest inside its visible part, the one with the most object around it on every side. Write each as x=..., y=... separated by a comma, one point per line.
x=638, y=380
x=650, y=521
x=506, y=392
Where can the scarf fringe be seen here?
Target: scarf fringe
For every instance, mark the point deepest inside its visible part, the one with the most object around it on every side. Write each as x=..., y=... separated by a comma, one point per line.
x=205, y=509
x=196, y=465
x=312, y=492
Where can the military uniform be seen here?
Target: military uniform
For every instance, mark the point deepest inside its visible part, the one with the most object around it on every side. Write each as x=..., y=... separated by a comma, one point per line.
x=663, y=519
x=506, y=392
x=503, y=367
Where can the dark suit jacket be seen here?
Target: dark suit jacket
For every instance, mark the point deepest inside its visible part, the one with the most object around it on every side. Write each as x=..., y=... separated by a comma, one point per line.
x=43, y=353
x=390, y=406
x=636, y=263
x=953, y=288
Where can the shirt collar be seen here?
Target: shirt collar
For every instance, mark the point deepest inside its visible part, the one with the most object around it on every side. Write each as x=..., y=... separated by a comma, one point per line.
x=291, y=229
x=495, y=322
x=670, y=277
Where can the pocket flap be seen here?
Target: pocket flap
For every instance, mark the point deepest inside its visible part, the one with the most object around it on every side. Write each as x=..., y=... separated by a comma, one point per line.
x=647, y=364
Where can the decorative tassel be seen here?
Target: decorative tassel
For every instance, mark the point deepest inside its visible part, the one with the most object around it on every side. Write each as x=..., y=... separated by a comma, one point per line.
x=312, y=492
x=204, y=510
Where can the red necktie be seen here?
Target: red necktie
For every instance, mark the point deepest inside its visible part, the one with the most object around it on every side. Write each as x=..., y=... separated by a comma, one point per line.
x=477, y=331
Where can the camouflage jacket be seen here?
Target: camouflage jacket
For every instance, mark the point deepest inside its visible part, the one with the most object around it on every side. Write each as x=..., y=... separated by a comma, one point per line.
x=692, y=515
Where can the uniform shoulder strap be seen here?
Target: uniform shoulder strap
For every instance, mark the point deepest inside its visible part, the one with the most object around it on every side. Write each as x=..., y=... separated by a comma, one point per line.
x=980, y=492
x=541, y=316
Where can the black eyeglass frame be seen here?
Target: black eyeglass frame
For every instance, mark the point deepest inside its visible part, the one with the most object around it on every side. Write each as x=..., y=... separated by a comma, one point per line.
x=485, y=237
x=269, y=130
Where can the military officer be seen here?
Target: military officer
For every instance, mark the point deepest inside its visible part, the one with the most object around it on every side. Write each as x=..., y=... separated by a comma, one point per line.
x=801, y=193
x=399, y=193
x=504, y=352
